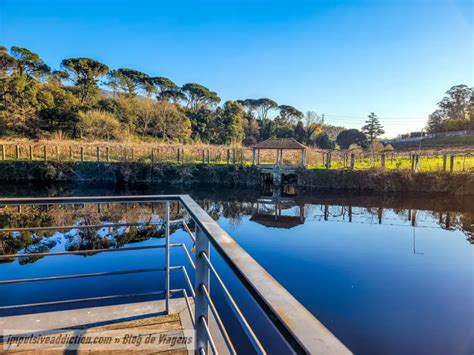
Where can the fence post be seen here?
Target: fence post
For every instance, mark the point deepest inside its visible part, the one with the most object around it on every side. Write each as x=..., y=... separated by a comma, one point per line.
x=45, y=152
x=17, y=152
x=412, y=161
x=178, y=151
x=202, y=276
x=382, y=161
x=132, y=154
x=451, y=164
x=82, y=153
x=97, y=153
x=444, y=162
x=57, y=153
x=107, y=158
x=3, y=152
x=70, y=153
x=208, y=156
x=328, y=160
x=228, y=156
x=31, y=152
x=417, y=163
x=182, y=156
x=352, y=161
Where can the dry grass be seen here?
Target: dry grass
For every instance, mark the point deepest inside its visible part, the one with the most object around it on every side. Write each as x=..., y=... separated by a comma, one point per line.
x=145, y=152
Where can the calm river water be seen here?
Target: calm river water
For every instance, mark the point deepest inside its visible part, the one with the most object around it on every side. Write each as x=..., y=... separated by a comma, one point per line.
x=386, y=274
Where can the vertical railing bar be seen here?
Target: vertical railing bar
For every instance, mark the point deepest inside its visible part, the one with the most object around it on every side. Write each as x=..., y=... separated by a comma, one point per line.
x=201, y=276
x=167, y=256
x=230, y=346
x=208, y=334
x=240, y=317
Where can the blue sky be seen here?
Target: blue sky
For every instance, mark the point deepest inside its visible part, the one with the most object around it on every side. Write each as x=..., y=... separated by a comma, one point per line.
x=341, y=58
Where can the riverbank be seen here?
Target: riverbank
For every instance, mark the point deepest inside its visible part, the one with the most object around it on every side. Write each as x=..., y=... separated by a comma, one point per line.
x=375, y=180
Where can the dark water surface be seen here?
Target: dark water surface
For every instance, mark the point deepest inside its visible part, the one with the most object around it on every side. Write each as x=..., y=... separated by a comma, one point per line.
x=387, y=274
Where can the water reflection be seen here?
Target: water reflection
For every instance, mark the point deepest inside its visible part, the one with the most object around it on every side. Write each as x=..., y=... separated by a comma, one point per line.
x=373, y=268
x=97, y=226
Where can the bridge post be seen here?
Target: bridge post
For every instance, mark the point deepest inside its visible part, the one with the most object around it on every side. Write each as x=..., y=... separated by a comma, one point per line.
x=202, y=277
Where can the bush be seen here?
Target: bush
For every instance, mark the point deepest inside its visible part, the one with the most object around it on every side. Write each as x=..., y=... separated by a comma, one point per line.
x=96, y=124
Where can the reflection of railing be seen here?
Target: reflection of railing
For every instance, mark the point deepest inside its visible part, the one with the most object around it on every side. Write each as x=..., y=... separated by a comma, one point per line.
x=301, y=330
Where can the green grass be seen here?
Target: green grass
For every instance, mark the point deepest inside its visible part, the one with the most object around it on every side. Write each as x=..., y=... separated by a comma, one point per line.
x=427, y=164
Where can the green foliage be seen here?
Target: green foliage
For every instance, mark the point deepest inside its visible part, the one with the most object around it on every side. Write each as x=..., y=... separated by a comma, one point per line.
x=85, y=73
x=373, y=128
x=232, y=119
x=198, y=96
x=322, y=141
x=351, y=136
x=29, y=63
x=455, y=111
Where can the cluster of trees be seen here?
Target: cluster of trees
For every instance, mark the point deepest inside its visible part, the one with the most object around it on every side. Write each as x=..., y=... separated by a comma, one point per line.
x=84, y=98
x=455, y=111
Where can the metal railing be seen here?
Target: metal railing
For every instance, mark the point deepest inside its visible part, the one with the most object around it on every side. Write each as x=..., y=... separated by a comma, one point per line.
x=301, y=330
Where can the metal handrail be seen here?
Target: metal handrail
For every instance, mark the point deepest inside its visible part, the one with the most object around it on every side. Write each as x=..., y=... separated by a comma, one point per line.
x=301, y=329
x=208, y=334
x=240, y=317
x=66, y=277
x=216, y=315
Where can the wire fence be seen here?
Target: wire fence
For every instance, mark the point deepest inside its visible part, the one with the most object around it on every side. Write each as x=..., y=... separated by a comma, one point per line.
x=442, y=160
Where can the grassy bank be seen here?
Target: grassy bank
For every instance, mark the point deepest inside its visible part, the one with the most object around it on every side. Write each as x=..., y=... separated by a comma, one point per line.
x=152, y=153
x=235, y=175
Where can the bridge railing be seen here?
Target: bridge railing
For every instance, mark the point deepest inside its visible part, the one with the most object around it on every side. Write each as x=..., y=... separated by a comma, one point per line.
x=296, y=325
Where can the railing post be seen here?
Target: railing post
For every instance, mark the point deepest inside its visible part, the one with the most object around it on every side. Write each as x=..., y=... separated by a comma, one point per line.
x=31, y=152
x=3, y=152
x=382, y=161
x=45, y=152
x=202, y=276
x=167, y=256
x=17, y=152
x=352, y=161
x=451, y=164
x=107, y=157
x=444, y=162
x=82, y=153
x=98, y=153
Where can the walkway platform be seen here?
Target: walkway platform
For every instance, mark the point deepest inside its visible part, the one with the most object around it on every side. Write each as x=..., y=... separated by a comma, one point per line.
x=124, y=328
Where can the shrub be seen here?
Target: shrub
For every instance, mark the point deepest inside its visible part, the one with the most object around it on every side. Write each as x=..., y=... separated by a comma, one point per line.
x=96, y=124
